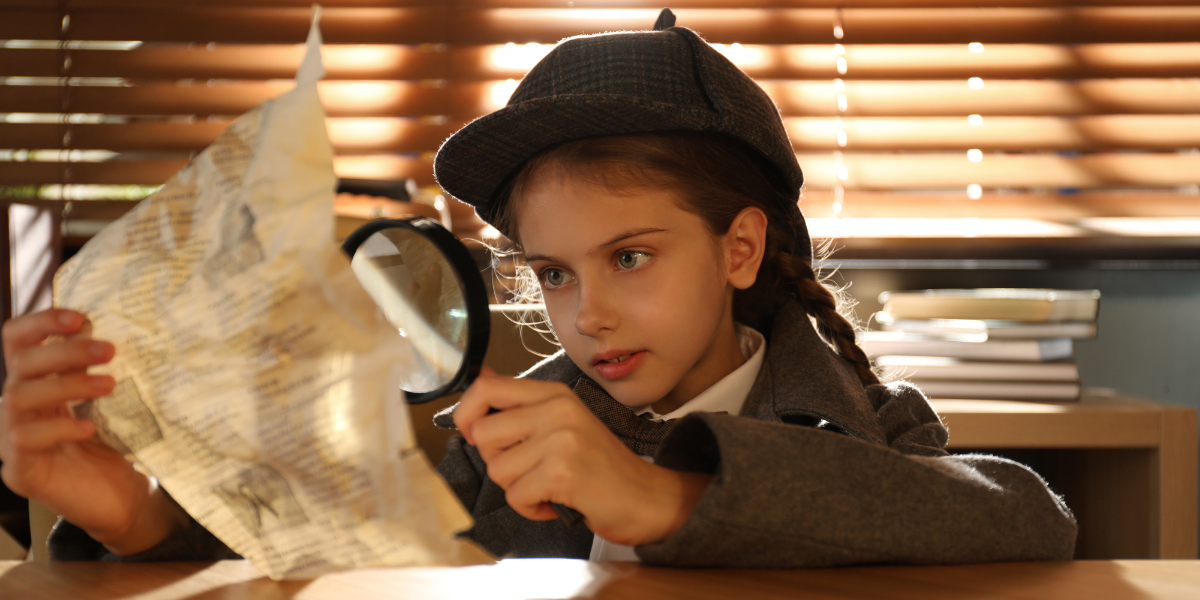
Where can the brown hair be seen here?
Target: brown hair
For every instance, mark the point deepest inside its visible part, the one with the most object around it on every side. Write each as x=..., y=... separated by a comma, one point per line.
x=716, y=177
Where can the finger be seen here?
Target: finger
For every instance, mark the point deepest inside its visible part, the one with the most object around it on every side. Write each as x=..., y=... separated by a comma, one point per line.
x=39, y=436
x=495, y=432
x=25, y=400
x=530, y=496
x=505, y=468
x=67, y=355
x=501, y=393
x=32, y=329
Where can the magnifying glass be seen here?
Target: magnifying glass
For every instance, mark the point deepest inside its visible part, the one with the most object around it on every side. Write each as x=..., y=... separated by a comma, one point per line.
x=427, y=285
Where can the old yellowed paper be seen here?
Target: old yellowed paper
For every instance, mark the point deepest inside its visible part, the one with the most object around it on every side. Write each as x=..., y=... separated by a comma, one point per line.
x=256, y=379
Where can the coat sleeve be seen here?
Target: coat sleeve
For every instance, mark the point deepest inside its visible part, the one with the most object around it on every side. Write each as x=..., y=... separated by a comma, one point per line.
x=68, y=542
x=791, y=496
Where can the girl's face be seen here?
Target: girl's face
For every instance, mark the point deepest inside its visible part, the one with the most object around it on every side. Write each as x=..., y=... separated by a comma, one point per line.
x=636, y=288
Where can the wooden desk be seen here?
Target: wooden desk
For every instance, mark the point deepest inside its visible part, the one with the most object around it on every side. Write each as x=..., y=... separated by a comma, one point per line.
x=1128, y=468
x=562, y=578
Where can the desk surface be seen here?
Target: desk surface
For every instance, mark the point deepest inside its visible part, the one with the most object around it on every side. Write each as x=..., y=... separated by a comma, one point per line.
x=560, y=578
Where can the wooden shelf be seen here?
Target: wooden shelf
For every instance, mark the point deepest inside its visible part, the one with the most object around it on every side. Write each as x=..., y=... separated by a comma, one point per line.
x=1126, y=467
x=1093, y=422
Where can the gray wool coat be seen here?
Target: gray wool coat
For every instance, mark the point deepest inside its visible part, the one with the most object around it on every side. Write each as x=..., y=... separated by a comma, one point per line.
x=816, y=471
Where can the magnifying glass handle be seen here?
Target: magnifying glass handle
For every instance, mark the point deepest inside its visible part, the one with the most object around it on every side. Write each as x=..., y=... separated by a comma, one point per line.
x=566, y=514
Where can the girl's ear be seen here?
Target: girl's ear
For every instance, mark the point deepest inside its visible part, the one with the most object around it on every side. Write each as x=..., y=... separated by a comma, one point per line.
x=745, y=243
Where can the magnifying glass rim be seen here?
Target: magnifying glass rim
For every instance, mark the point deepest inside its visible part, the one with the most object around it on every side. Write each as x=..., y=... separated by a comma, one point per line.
x=474, y=295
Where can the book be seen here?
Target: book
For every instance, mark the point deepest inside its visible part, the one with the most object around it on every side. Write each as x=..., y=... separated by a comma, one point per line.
x=1006, y=304
x=882, y=343
x=993, y=329
x=1000, y=390
x=944, y=368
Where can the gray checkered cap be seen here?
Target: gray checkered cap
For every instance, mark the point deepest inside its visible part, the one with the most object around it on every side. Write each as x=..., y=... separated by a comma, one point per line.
x=613, y=84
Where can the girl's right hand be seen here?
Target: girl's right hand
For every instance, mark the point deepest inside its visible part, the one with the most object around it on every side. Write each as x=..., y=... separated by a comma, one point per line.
x=51, y=457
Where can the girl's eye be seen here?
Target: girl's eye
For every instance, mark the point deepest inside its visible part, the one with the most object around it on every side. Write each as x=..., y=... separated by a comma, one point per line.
x=632, y=259
x=553, y=278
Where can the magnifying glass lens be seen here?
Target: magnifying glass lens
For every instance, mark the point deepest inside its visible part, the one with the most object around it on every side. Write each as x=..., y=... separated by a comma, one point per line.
x=416, y=288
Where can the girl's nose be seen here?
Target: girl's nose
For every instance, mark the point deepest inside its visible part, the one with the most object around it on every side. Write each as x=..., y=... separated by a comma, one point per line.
x=596, y=313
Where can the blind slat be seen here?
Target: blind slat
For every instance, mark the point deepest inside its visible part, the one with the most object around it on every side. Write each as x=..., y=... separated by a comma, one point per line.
x=20, y=24
x=469, y=99
x=774, y=26
x=794, y=61
x=156, y=172
x=946, y=171
x=602, y=4
x=261, y=25
x=30, y=63
x=875, y=205
x=858, y=204
x=1048, y=206
x=861, y=26
x=997, y=97
x=151, y=137
x=118, y=172
x=347, y=134
x=1129, y=132
x=1165, y=132
x=239, y=61
x=948, y=61
x=376, y=98
x=941, y=171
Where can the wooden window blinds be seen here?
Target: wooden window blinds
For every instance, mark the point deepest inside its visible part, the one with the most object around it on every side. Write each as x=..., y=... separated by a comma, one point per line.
x=912, y=119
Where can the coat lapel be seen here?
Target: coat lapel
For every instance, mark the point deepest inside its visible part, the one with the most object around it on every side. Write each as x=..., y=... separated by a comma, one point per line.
x=804, y=381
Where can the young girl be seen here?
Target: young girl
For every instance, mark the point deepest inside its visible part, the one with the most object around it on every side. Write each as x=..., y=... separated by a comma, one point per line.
x=709, y=407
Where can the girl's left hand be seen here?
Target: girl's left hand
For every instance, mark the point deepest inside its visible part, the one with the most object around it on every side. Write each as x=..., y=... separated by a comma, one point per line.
x=544, y=446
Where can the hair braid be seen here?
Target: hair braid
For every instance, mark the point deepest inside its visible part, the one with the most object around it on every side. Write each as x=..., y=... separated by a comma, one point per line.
x=825, y=306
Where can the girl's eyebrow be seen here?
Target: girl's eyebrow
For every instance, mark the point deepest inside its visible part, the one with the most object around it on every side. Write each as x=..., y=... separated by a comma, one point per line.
x=632, y=233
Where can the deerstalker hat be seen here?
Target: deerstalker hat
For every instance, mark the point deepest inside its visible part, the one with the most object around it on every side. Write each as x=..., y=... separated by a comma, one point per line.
x=606, y=84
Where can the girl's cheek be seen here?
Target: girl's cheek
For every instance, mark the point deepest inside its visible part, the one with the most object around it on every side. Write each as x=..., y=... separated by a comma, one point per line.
x=561, y=306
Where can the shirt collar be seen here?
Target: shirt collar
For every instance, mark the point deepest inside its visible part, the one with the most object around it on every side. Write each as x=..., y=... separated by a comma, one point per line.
x=729, y=394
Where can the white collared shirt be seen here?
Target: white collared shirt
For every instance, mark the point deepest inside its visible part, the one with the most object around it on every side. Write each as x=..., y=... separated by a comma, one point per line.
x=727, y=395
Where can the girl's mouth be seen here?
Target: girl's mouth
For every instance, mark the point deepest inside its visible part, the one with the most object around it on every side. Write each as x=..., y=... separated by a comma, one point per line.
x=619, y=366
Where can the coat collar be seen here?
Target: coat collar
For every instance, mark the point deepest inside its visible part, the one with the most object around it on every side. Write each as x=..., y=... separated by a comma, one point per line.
x=802, y=378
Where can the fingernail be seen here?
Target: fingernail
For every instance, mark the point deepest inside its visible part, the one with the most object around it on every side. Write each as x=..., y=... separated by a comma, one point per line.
x=100, y=383
x=99, y=349
x=67, y=318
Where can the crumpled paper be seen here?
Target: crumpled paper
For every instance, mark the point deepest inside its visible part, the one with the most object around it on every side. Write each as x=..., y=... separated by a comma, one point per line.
x=255, y=378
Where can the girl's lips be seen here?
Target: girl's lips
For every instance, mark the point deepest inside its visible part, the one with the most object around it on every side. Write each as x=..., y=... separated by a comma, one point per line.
x=617, y=370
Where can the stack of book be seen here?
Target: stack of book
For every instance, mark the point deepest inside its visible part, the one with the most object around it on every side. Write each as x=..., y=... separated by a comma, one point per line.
x=1010, y=344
